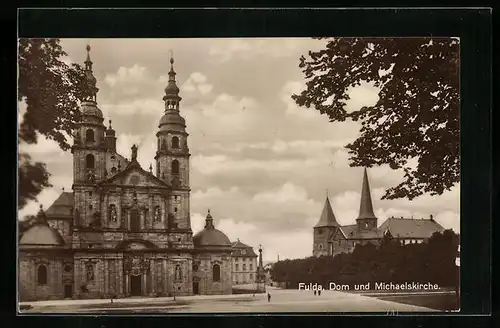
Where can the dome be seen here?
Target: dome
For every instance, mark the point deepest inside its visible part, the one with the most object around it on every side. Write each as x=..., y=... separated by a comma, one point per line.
x=172, y=118
x=211, y=237
x=89, y=108
x=41, y=234
x=172, y=89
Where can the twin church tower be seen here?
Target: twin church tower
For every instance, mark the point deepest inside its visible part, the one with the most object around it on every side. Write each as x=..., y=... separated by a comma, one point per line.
x=124, y=231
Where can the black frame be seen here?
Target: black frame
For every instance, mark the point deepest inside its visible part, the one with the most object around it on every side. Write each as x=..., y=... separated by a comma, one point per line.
x=473, y=26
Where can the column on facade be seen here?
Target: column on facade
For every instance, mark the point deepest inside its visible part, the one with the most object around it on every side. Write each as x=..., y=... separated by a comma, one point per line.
x=153, y=275
x=106, y=207
x=165, y=276
x=126, y=284
x=163, y=209
x=106, y=276
x=145, y=284
x=119, y=269
x=150, y=210
x=119, y=209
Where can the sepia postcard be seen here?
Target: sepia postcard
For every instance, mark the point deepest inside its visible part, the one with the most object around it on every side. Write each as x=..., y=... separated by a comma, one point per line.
x=238, y=175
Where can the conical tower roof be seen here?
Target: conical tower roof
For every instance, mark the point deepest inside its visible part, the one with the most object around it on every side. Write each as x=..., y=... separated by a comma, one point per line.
x=366, y=205
x=327, y=218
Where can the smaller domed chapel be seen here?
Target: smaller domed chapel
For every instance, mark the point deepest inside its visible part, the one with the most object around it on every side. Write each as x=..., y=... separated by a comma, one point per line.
x=124, y=231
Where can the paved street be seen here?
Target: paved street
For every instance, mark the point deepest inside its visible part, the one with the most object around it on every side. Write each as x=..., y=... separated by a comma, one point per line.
x=281, y=301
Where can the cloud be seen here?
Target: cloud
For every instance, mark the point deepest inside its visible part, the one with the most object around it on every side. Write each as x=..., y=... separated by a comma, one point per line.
x=292, y=109
x=269, y=47
x=196, y=86
x=259, y=162
x=139, y=106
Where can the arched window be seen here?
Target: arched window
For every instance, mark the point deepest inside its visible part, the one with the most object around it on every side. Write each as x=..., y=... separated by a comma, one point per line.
x=89, y=136
x=175, y=166
x=216, y=272
x=89, y=161
x=41, y=275
x=175, y=142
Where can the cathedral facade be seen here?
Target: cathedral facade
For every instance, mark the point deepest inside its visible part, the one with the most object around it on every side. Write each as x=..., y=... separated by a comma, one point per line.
x=124, y=231
x=330, y=238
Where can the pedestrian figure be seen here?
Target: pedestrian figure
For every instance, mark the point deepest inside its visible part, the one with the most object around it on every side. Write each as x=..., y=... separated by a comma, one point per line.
x=319, y=292
x=315, y=292
x=268, y=297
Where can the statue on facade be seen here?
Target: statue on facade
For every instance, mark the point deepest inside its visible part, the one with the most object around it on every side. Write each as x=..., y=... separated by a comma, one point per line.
x=91, y=176
x=157, y=214
x=178, y=273
x=90, y=273
x=113, y=215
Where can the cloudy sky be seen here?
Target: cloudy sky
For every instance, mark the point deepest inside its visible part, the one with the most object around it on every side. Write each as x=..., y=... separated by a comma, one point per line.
x=259, y=162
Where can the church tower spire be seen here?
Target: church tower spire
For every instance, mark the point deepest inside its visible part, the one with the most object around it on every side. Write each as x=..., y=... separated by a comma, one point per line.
x=327, y=218
x=366, y=219
x=91, y=80
x=366, y=205
x=89, y=149
x=172, y=154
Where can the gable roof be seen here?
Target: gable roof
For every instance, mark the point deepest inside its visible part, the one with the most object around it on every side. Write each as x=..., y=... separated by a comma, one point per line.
x=134, y=165
x=411, y=228
x=62, y=206
x=327, y=218
x=241, y=249
x=351, y=232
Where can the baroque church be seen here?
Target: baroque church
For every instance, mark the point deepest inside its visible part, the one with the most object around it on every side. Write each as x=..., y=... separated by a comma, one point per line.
x=331, y=238
x=124, y=231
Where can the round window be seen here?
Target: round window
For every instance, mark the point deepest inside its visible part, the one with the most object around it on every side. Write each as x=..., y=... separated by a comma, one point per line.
x=67, y=268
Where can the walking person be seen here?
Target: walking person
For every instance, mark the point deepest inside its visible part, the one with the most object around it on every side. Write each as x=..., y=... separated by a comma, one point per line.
x=315, y=292
x=268, y=297
x=319, y=292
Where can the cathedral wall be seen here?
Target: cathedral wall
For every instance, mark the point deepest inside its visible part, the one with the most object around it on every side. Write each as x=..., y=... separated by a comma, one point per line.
x=33, y=286
x=179, y=207
x=79, y=164
x=320, y=244
x=207, y=285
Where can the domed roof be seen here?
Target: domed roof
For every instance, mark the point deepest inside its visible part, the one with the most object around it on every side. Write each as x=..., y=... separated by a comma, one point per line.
x=43, y=235
x=172, y=118
x=210, y=236
x=172, y=89
x=90, y=108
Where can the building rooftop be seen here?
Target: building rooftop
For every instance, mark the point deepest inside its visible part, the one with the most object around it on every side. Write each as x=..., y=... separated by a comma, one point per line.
x=62, y=206
x=411, y=228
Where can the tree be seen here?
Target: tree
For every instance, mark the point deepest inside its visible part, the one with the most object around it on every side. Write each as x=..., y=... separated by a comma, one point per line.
x=51, y=90
x=416, y=116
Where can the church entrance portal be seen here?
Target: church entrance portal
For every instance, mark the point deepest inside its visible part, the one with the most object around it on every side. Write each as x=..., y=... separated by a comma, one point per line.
x=195, y=288
x=68, y=291
x=135, y=286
